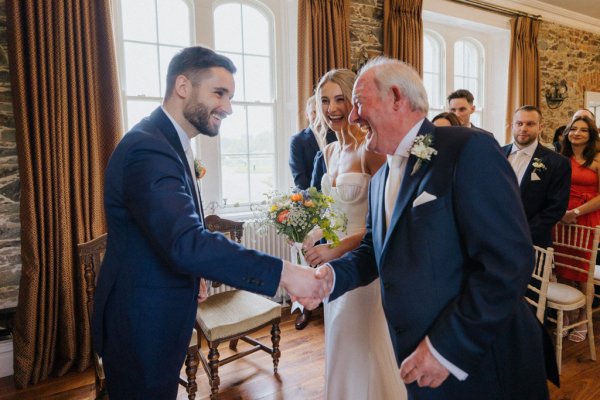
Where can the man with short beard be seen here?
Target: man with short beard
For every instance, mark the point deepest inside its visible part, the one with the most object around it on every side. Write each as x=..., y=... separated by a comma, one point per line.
x=146, y=298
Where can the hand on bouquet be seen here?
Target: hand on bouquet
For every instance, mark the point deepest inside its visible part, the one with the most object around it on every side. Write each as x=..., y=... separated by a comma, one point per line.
x=313, y=237
x=321, y=254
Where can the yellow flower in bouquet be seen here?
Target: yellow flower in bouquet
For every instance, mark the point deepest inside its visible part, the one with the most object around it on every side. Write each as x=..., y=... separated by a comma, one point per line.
x=295, y=215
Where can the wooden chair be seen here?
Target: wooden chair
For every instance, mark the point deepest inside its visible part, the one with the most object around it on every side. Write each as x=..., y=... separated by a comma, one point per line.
x=538, y=287
x=90, y=258
x=233, y=315
x=574, y=245
x=596, y=288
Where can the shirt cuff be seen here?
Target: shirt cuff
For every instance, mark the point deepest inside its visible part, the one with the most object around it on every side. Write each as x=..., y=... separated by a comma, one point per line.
x=326, y=299
x=454, y=370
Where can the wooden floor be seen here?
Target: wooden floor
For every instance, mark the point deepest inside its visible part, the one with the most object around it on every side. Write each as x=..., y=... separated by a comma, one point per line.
x=300, y=373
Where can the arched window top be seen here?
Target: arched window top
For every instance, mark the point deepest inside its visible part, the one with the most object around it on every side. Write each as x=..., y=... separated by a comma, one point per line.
x=468, y=57
x=434, y=48
x=243, y=27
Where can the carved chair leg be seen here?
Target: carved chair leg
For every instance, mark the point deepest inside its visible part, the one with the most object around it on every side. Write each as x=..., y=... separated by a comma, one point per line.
x=275, y=336
x=191, y=367
x=233, y=344
x=213, y=364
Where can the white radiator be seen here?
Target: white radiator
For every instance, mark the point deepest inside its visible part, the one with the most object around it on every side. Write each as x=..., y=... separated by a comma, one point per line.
x=267, y=241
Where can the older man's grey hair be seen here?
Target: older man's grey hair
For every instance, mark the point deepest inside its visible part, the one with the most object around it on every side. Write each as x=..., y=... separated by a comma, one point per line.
x=389, y=72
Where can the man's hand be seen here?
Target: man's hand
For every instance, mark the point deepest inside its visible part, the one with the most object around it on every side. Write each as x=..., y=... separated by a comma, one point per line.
x=302, y=282
x=203, y=292
x=323, y=274
x=421, y=366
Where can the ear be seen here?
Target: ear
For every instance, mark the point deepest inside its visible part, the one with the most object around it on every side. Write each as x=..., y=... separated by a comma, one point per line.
x=398, y=97
x=472, y=108
x=182, y=86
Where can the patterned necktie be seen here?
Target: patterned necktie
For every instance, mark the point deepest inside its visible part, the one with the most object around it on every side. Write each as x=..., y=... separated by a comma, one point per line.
x=392, y=186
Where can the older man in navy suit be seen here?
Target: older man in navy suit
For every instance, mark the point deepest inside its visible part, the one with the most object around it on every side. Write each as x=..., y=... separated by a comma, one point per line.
x=145, y=303
x=544, y=176
x=447, y=235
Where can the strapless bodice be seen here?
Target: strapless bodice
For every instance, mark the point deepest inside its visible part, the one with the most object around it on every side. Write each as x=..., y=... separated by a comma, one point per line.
x=350, y=195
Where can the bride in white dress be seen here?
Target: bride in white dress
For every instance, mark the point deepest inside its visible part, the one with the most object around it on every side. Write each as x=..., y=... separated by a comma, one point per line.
x=359, y=359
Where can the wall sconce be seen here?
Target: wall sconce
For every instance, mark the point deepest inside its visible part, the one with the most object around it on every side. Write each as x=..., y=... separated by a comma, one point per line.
x=557, y=94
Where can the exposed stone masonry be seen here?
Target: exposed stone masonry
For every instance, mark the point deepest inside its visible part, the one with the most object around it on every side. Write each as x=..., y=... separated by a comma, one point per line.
x=10, y=227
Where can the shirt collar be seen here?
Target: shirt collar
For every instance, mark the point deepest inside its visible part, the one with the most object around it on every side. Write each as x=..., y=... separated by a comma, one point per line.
x=183, y=137
x=529, y=149
x=406, y=143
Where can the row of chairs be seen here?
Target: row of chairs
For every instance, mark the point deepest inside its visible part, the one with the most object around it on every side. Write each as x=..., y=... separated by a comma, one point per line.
x=575, y=248
x=228, y=316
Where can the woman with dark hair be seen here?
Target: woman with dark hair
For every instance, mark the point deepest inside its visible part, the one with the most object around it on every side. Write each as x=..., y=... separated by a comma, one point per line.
x=579, y=145
x=558, y=134
x=445, y=119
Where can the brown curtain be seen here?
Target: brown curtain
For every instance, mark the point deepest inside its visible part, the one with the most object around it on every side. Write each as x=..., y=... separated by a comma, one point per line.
x=524, y=67
x=403, y=31
x=323, y=43
x=67, y=115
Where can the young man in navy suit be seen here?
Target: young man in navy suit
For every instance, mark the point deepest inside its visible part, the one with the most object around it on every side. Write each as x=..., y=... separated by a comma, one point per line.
x=454, y=258
x=145, y=303
x=544, y=176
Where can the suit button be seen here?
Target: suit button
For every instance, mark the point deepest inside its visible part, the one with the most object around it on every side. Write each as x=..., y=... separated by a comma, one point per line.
x=398, y=331
x=387, y=286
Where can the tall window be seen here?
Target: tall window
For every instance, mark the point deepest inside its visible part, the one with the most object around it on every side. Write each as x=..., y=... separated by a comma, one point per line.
x=244, y=33
x=249, y=156
x=468, y=71
x=152, y=31
x=433, y=72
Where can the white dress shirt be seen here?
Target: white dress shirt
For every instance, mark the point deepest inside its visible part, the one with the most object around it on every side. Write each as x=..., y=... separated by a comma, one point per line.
x=520, y=158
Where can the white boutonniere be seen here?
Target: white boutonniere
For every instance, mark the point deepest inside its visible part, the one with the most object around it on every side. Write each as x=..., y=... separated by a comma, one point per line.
x=538, y=165
x=422, y=149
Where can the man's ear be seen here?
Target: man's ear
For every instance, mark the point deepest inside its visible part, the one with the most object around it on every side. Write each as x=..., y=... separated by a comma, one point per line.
x=472, y=108
x=182, y=86
x=397, y=96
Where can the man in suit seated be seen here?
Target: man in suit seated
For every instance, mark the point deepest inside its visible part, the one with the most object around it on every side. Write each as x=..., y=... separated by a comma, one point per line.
x=544, y=176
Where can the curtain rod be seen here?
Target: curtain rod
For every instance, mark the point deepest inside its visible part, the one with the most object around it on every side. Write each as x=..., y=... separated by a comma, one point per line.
x=497, y=9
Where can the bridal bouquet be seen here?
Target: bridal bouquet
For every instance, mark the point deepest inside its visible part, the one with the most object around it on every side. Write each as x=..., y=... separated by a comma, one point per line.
x=295, y=215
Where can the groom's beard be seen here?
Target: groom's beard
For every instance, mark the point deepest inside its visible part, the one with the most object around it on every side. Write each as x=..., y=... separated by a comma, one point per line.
x=199, y=117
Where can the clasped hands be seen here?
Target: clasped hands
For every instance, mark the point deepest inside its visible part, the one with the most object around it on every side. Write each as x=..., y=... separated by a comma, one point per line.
x=306, y=285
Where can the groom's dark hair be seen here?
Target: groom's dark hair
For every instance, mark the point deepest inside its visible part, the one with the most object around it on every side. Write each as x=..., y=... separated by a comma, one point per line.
x=191, y=60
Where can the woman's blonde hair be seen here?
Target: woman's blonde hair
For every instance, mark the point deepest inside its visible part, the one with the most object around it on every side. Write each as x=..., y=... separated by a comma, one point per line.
x=344, y=78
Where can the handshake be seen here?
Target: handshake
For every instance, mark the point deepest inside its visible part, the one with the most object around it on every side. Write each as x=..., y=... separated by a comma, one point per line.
x=306, y=285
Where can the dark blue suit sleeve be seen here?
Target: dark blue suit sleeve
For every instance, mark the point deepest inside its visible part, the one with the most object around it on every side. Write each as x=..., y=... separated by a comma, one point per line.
x=498, y=255
x=556, y=198
x=155, y=194
x=297, y=163
x=319, y=169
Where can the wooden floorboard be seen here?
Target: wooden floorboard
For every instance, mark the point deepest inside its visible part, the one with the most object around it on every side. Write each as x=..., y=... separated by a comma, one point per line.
x=300, y=374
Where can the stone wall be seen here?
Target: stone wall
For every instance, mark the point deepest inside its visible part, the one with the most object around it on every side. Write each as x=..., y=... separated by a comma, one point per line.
x=569, y=54
x=366, y=30
x=10, y=228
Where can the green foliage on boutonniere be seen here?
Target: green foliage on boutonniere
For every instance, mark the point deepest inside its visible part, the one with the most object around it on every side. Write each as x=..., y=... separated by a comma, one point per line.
x=199, y=169
x=538, y=165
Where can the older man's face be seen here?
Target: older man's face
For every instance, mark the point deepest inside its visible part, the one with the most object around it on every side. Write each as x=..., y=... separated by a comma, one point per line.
x=371, y=110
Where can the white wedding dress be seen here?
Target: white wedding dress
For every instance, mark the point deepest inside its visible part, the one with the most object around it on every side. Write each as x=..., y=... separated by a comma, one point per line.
x=359, y=359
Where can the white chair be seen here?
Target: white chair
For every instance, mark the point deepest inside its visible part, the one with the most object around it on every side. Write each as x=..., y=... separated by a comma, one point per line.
x=596, y=283
x=575, y=246
x=538, y=287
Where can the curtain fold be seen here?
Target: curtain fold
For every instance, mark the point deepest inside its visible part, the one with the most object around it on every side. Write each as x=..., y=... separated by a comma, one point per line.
x=403, y=31
x=523, y=67
x=68, y=121
x=323, y=44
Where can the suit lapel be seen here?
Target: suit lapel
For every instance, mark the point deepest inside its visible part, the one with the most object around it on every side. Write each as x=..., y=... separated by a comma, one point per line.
x=165, y=126
x=378, y=211
x=527, y=176
x=410, y=182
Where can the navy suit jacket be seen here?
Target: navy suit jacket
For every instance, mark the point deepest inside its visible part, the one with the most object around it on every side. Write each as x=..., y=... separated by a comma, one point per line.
x=455, y=269
x=303, y=148
x=545, y=200
x=145, y=302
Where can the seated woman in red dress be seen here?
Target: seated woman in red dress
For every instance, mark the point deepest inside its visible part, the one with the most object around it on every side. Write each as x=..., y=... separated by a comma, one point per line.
x=579, y=145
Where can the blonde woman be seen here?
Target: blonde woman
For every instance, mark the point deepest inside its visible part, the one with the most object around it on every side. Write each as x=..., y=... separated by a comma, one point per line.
x=359, y=359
